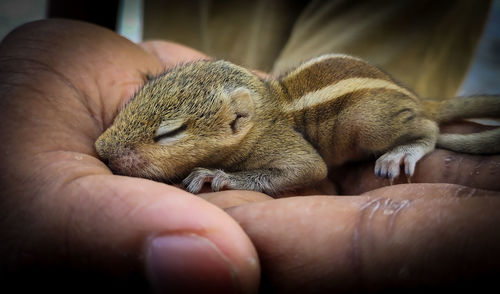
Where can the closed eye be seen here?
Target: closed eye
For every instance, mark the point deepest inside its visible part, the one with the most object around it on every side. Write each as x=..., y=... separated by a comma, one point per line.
x=168, y=134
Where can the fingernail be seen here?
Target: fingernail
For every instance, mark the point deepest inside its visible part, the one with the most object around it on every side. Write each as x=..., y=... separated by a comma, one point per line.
x=189, y=264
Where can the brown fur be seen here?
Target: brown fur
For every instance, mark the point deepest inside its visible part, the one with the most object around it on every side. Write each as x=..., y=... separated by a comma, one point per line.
x=225, y=125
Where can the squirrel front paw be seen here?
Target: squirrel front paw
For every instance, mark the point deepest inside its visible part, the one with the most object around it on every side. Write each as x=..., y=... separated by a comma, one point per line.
x=199, y=176
x=218, y=179
x=255, y=180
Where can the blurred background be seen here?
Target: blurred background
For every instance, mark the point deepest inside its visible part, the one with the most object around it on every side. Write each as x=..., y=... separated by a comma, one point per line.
x=126, y=18
x=119, y=15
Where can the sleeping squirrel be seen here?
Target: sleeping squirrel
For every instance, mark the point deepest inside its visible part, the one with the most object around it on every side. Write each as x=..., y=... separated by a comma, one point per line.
x=213, y=121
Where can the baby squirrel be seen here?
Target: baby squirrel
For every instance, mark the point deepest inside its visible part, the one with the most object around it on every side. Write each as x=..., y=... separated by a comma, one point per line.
x=213, y=121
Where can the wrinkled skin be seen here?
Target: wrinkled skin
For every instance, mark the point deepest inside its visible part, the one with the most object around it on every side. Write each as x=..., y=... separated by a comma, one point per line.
x=66, y=221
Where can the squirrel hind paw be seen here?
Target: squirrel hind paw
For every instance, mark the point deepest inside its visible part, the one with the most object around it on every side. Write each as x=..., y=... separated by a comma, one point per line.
x=388, y=165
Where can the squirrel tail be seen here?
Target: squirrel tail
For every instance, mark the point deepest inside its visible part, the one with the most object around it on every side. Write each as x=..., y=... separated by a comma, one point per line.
x=486, y=142
x=485, y=106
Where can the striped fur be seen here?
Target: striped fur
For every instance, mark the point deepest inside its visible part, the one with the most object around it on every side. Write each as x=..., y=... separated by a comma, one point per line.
x=318, y=93
x=334, y=100
x=319, y=60
x=328, y=70
x=341, y=88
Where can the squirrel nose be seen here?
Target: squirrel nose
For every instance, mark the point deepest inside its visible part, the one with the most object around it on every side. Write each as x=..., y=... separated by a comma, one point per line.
x=102, y=148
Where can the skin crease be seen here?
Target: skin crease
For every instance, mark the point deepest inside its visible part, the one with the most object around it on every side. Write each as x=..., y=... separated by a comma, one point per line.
x=64, y=212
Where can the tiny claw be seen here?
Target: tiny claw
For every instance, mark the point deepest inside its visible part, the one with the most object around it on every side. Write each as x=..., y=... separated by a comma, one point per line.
x=194, y=182
x=407, y=171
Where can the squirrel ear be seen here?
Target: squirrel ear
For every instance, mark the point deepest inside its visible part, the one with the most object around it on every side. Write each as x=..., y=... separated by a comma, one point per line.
x=243, y=107
x=242, y=102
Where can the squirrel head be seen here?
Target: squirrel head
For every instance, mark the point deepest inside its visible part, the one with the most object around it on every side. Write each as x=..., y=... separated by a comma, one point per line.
x=189, y=116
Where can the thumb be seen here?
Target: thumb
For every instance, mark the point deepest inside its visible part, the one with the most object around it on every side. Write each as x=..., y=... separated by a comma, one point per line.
x=188, y=244
x=119, y=229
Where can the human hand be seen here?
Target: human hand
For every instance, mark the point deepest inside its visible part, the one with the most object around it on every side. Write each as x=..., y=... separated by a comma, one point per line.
x=105, y=221
x=67, y=224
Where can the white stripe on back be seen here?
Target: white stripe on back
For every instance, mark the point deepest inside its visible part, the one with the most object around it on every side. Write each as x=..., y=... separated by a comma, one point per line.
x=341, y=88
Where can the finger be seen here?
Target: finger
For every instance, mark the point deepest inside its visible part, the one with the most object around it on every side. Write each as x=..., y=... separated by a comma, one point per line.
x=441, y=166
x=225, y=199
x=185, y=243
x=62, y=210
x=402, y=237
x=170, y=53
x=163, y=51
x=124, y=227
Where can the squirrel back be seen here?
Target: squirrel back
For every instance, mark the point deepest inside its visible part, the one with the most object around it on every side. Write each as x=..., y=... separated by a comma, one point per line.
x=332, y=82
